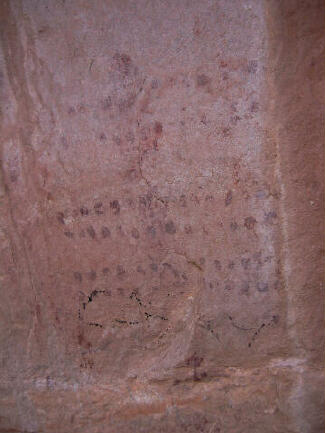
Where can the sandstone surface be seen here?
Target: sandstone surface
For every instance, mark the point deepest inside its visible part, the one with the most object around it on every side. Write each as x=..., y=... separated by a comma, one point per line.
x=162, y=216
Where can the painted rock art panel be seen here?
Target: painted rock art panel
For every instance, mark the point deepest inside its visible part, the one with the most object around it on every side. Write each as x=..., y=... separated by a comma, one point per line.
x=161, y=216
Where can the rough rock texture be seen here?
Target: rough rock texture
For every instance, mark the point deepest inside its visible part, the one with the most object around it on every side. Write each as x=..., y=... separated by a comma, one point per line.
x=162, y=216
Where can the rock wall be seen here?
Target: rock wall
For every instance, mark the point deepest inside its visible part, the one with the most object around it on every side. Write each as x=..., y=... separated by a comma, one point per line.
x=162, y=216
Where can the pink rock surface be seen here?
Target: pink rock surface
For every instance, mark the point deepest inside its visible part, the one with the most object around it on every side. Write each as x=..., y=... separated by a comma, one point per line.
x=162, y=216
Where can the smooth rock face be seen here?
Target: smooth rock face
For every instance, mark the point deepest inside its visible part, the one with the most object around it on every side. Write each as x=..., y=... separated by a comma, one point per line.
x=162, y=216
